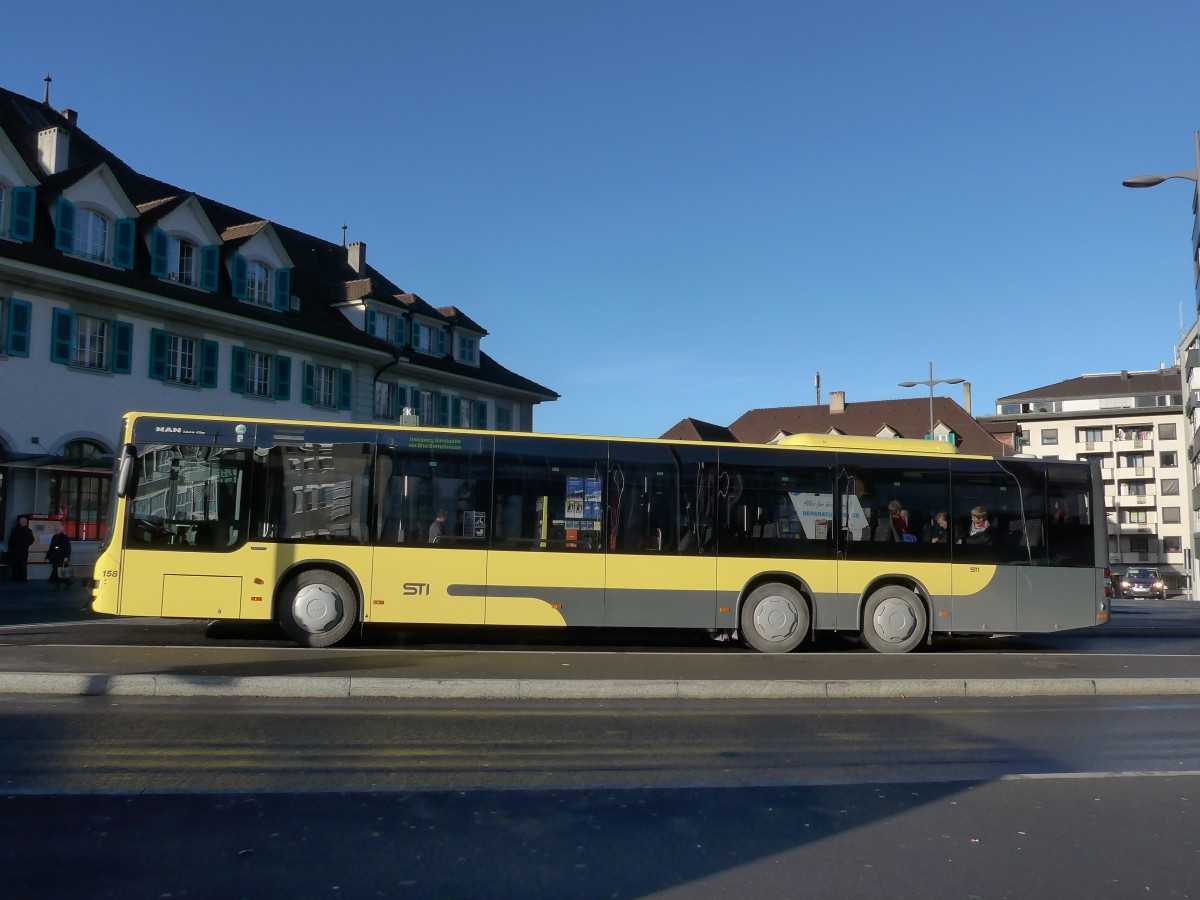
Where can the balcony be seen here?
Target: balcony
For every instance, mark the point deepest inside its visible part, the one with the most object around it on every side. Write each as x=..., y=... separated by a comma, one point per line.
x=1129, y=473
x=1098, y=446
x=1132, y=528
x=1136, y=501
x=1123, y=445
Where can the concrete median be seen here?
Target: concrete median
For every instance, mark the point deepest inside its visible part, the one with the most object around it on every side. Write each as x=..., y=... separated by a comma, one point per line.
x=354, y=687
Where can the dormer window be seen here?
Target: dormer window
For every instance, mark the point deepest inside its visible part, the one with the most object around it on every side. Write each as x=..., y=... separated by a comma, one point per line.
x=428, y=339
x=258, y=284
x=91, y=235
x=468, y=349
x=86, y=233
x=181, y=262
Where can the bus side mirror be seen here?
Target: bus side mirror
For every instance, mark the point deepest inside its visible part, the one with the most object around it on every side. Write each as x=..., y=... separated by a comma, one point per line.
x=125, y=469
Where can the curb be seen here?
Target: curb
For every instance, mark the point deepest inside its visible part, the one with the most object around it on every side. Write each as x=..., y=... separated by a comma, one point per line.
x=329, y=687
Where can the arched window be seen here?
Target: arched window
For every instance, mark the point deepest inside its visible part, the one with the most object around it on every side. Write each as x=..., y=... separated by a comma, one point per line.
x=83, y=449
x=81, y=499
x=258, y=284
x=91, y=234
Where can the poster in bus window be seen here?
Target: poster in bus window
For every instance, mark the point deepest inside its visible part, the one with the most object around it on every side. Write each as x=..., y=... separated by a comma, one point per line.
x=583, y=508
x=816, y=515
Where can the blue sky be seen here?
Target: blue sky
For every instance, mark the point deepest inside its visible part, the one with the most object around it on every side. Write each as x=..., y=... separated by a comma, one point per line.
x=663, y=209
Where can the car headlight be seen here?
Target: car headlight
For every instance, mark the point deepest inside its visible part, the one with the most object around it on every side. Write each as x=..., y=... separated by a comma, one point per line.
x=1124, y=584
x=1158, y=585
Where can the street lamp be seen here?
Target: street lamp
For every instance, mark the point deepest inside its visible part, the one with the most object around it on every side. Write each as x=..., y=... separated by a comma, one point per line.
x=931, y=381
x=1145, y=181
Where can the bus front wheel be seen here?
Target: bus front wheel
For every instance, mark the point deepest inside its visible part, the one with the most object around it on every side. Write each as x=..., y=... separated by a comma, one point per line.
x=894, y=620
x=774, y=618
x=317, y=608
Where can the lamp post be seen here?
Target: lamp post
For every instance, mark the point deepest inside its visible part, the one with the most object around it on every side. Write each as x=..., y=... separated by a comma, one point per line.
x=1145, y=181
x=931, y=381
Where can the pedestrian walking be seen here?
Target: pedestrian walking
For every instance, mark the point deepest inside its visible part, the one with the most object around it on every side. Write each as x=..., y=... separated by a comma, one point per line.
x=59, y=555
x=20, y=539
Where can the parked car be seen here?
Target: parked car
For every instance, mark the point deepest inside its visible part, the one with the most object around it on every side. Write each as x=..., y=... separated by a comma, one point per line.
x=1143, y=582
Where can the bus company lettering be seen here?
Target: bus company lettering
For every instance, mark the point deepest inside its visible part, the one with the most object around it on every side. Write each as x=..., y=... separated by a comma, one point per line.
x=416, y=589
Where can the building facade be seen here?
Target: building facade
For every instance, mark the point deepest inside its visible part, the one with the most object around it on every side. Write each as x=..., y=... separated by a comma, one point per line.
x=1131, y=424
x=119, y=291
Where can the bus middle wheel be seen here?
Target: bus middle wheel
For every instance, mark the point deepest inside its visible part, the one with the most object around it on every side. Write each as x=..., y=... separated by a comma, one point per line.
x=774, y=618
x=894, y=620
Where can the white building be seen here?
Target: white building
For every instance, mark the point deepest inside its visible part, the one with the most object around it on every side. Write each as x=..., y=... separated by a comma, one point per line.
x=119, y=292
x=1133, y=425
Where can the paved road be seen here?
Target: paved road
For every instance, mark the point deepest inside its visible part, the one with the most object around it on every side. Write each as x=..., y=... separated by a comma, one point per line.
x=1149, y=647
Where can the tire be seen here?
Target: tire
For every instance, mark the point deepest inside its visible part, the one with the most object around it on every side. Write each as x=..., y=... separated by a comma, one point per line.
x=317, y=608
x=894, y=620
x=774, y=618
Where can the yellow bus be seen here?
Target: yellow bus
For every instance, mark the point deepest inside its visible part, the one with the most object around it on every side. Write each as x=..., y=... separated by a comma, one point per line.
x=325, y=527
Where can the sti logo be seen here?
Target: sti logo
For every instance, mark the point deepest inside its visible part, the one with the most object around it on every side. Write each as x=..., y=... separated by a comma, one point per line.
x=415, y=589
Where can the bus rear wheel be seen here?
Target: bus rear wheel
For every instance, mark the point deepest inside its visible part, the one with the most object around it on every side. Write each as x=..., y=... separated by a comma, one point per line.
x=317, y=608
x=894, y=620
x=774, y=618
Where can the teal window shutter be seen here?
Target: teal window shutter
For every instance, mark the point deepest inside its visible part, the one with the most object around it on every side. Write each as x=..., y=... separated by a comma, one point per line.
x=345, y=388
x=441, y=342
x=308, y=391
x=210, y=259
x=237, y=375
x=209, y=361
x=158, y=253
x=283, y=288
x=122, y=348
x=123, y=250
x=455, y=411
x=481, y=414
x=283, y=378
x=158, y=354
x=443, y=403
x=21, y=221
x=17, y=333
x=370, y=321
x=60, y=343
x=239, y=276
x=64, y=226
x=401, y=337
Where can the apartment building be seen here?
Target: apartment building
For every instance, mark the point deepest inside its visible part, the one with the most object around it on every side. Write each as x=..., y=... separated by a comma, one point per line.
x=120, y=291
x=1133, y=425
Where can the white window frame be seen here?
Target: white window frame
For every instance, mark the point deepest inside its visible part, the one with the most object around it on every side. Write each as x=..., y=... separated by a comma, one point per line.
x=91, y=235
x=384, y=322
x=325, y=387
x=466, y=413
x=181, y=262
x=181, y=359
x=428, y=410
x=386, y=394
x=258, y=284
x=259, y=374
x=89, y=343
x=422, y=337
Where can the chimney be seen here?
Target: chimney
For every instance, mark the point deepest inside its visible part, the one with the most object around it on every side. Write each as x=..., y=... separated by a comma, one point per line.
x=70, y=115
x=837, y=402
x=967, y=397
x=54, y=145
x=357, y=254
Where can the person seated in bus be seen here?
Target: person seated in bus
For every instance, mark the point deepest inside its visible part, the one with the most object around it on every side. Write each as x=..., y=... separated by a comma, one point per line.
x=438, y=529
x=899, y=522
x=939, y=531
x=980, y=531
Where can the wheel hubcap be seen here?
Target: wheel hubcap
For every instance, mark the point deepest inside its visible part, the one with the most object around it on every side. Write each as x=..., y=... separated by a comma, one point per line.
x=775, y=618
x=894, y=620
x=316, y=608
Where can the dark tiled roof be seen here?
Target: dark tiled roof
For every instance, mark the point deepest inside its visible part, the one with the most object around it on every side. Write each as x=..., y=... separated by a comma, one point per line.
x=321, y=273
x=456, y=316
x=907, y=418
x=697, y=430
x=1114, y=384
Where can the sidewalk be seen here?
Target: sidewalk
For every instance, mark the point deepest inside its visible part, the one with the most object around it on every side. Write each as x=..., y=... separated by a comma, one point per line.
x=41, y=594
